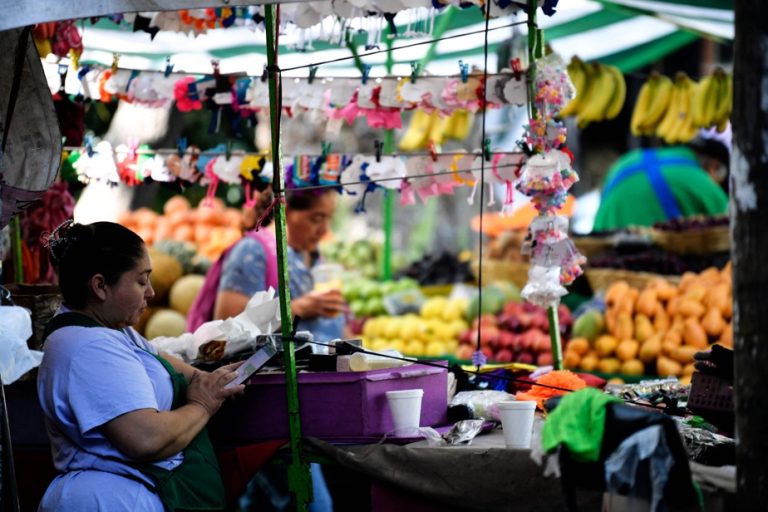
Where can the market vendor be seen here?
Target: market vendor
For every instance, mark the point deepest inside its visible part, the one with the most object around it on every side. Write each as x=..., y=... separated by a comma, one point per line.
x=126, y=424
x=646, y=186
x=250, y=266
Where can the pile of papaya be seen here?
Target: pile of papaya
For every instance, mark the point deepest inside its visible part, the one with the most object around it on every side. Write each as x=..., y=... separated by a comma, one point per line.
x=656, y=330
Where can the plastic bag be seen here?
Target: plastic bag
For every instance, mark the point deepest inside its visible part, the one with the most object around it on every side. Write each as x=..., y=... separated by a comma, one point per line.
x=484, y=404
x=15, y=357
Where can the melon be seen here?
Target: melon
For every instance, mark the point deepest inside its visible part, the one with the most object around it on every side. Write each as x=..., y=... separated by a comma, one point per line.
x=166, y=322
x=184, y=292
x=166, y=270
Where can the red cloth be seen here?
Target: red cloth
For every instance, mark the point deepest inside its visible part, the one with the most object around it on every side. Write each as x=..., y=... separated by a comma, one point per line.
x=239, y=464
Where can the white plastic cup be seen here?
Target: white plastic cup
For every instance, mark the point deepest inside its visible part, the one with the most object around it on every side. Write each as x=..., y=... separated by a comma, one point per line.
x=405, y=406
x=517, y=423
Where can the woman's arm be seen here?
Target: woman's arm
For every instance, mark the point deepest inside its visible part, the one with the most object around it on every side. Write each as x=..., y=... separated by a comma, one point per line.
x=229, y=303
x=150, y=435
x=180, y=366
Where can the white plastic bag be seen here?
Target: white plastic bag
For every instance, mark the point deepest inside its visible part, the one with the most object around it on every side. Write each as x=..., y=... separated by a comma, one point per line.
x=15, y=357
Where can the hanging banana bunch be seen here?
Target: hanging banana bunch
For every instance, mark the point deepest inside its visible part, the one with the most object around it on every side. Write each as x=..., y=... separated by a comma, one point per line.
x=677, y=126
x=600, y=92
x=712, y=100
x=651, y=105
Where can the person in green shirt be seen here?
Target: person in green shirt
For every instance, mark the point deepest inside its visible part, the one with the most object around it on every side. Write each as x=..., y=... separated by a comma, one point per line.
x=646, y=186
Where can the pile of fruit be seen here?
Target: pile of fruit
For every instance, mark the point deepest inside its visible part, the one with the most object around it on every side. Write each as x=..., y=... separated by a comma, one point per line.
x=362, y=256
x=519, y=333
x=433, y=333
x=211, y=228
x=656, y=330
x=675, y=110
x=366, y=296
x=600, y=92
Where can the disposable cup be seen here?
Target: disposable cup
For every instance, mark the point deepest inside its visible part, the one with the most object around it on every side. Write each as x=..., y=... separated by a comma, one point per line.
x=517, y=423
x=405, y=406
x=327, y=276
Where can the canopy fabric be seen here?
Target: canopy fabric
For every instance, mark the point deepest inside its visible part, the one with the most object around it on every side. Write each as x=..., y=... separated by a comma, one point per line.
x=625, y=33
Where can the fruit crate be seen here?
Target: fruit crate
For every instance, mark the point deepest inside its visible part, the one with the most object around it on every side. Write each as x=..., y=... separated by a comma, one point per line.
x=502, y=270
x=602, y=278
x=694, y=241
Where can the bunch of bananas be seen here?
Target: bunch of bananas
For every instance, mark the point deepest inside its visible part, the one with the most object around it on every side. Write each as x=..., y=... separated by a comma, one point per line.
x=435, y=127
x=675, y=111
x=600, y=92
x=712, y=100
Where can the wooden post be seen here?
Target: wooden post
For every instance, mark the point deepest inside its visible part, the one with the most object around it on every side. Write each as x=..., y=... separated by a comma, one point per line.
x=749, y=221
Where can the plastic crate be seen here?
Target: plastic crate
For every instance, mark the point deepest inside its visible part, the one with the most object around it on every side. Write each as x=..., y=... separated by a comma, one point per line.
x=710, y=394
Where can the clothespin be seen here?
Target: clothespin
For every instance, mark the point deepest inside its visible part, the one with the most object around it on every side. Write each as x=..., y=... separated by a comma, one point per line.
x=379, y=147
x=264, y=74
x=432, y=150
x=517, y=68
x=464, y=71
x=312, y=73
x=83, y=71
x=414, y=71
x=88, y=141
x=181, y=145
x=63, y=69
x=325, y=148
x=487, y=149
x=168, y=67
x=366, y=72
x=228, y=151
x=115, y=61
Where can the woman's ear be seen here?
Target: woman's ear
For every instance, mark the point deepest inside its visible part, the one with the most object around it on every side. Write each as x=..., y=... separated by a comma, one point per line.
x=98, y=286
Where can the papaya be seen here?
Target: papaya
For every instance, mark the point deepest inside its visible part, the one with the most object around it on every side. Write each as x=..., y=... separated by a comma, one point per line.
x=624, y=328
x=710, y=276
x=614, y=293
x=660, y=319
x=686, y=280
x=647, y=302
x=696, y=292
x=609, y=365
x=589, y=362
x=667, y=367
x=579, y=346
x=718, y=297
x=691, y=308
x=632, y=367
x=627, y=302
x=673, y=336
x=610, y=321
x=651, y=349
x=684, y=354
x=726, y=338
x=627, y=349
x=693, y=333
x=668, y=348
x=673, y=305
x=643, y=328
x=664, y=289
x=571, y=360
x=688, y=370
x=713, y=323
x=606, y=345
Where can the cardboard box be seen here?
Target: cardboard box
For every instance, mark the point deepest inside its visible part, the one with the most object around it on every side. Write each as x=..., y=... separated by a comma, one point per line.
x=335, y=406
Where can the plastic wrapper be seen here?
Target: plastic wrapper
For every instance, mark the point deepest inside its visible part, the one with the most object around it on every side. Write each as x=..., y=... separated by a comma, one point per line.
x=707, y=447
x=543, y=287
x=483, y=404
x=463, y=432
x=261, y=316
x=15, y=357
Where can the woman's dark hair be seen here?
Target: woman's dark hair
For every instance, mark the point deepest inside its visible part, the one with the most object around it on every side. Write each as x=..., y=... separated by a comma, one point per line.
x=295, y=199
x=81, y=251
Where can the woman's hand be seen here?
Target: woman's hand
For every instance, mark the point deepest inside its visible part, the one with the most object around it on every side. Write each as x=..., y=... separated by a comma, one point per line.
x=207, y=389
x=314, y=304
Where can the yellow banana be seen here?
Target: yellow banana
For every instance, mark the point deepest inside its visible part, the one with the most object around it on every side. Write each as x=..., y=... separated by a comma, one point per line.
x=579, y=76
x=659, y=104
x=663, y=129
x=644, y=97
x=702, y=99
x=599, y=97
x=619, y=93
x=683, y=129
x=724, y=103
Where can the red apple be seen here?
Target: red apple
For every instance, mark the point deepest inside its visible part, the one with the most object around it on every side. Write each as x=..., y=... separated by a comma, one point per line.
x=544, y=359
x=464, y=352
x=506, y=339
x=512, y=309
x=504, y=356
x=487, y=352
x=467, y=337
x=525, y=357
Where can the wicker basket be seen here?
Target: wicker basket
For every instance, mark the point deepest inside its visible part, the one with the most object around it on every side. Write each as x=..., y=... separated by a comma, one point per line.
x=602, y=278
x=591, y=246
x=502, y=270
x=694, y=241
x=42, y=300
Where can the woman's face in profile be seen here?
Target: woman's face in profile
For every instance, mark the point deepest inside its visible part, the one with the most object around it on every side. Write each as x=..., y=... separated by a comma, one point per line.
x=127, y=298
x=307, y=227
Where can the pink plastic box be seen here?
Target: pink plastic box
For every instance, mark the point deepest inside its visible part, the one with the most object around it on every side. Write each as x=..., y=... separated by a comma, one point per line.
x=336, y=406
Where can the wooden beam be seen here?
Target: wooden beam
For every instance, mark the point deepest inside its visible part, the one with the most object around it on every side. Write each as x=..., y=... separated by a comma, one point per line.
x=21, y=13
x=749, y=218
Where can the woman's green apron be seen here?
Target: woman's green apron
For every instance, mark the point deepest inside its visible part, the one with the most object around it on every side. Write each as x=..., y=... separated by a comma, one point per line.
x=196, y=483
